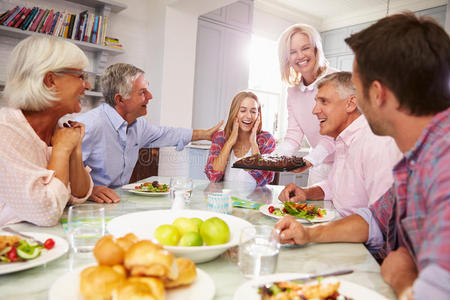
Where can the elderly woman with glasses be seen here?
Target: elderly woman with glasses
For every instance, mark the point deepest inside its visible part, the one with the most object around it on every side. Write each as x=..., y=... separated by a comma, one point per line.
x=41, y=164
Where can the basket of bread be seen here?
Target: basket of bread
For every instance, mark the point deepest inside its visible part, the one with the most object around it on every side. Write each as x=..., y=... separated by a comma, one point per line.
x=129, y=268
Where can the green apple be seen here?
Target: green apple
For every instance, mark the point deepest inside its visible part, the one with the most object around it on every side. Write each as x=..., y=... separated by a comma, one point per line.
x=167, y=235
x=185, y=225
x=215, y=231
x=198, y=221
x=190, y=239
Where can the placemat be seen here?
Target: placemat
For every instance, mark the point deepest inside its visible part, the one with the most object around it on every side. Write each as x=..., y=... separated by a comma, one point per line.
x=245, y=203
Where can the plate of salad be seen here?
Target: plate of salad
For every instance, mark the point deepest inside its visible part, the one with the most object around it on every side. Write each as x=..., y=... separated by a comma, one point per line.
x=150, y=189
x=304, y=212
x=17, y=253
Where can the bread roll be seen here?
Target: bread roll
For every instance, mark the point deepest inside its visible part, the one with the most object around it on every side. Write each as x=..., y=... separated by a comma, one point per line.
x=187, y=273
x=145, y=258
x=155, y=284
x=99, y=282
x=107, y=252
x=134, y=291
x=127, y=241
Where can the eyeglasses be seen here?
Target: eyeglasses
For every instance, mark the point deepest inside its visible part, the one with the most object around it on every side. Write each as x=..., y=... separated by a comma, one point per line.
x=83, y=75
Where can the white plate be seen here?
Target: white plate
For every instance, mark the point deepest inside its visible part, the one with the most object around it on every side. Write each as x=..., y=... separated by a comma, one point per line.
x=143, y=224
x=130, y=186
x=61, y=247
x=328, y=217
x=67, y=287
x=151, y=194
x=249, y=290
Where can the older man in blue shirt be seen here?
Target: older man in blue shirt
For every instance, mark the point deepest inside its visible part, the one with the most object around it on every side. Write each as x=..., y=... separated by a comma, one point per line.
x=115, y=131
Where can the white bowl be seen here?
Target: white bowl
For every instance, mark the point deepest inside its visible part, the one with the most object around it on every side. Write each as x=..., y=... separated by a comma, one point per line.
x=143, y=224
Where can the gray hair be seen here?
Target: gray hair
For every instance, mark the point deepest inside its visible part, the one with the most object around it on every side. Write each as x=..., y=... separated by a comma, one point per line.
x=342, y=82
x=288, y=75
x=29, y=62
x=118, y=79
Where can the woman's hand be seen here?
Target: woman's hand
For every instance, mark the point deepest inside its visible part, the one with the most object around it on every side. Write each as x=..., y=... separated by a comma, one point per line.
x=79, y=127
x=66, y=139
x=255, y=131
x=253, y=136
x=234, y=133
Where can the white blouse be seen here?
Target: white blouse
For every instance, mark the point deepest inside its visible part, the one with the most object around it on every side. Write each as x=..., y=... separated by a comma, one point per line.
x=237, y=175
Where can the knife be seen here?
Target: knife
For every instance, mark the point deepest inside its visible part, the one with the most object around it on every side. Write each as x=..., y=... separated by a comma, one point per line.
x=10, y=230
x=312, y=277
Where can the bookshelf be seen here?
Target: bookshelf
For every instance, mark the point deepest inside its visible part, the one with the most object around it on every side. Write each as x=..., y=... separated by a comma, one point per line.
x=21, y=34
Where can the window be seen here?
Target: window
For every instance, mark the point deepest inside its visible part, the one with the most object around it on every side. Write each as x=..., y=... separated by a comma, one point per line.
x=265, y=82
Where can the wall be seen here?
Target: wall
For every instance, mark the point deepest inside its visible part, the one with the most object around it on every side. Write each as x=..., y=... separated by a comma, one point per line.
x=340, y=55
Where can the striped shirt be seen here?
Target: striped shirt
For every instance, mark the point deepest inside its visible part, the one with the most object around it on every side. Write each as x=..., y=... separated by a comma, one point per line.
x=266, y=144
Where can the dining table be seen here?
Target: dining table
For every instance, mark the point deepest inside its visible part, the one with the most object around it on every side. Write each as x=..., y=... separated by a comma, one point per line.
x=36, y=282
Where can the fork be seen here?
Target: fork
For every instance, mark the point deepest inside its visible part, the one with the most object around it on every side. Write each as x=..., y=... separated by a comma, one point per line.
x=10, y=230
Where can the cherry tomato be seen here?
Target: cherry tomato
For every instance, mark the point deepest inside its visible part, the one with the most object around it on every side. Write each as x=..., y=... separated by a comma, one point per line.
x=271, y=209
x=137, y=187
x=12, y=254
x=319, y=212
x=284, y=210
x=49, y=244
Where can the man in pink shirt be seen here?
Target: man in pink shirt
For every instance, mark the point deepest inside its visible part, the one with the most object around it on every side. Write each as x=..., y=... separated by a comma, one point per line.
x=362, y=168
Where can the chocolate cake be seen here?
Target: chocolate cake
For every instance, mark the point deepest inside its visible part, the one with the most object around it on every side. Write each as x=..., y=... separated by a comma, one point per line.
x=270, y=162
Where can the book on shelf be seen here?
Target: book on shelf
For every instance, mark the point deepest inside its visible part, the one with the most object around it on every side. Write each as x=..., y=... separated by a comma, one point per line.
x=90, y=21
x=12, y=15
x=75, y=26
x=22, y=18
x=17, y=17
x=53, y=25
x=41, y=23
x=105, y=22
x=47, y=20
x=85, y=26
x=31, y=17
x=37, y=20
x=4, y=16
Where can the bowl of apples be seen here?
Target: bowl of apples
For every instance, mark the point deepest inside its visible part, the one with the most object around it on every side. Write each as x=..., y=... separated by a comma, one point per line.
x=196, y=234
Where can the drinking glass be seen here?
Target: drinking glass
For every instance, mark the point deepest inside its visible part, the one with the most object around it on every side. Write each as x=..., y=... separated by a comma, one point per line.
x=220, y=202
x=181, y=184
x=258, y=251
x=86, y=223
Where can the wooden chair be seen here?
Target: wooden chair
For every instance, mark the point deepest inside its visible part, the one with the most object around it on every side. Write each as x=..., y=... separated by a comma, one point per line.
x=147, y=164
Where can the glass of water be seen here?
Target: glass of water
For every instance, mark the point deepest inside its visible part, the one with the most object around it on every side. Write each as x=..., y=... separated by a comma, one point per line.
x=258, y=251
x=181, y=184
x=86, y=224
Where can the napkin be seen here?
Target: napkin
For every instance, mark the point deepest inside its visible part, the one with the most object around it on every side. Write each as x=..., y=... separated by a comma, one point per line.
x=246, y=203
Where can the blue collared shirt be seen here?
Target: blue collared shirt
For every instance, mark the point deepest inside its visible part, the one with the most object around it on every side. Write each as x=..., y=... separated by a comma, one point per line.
x=111, y=145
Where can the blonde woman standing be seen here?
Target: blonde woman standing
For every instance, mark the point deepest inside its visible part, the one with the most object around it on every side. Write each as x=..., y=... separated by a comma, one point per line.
x=302, y=64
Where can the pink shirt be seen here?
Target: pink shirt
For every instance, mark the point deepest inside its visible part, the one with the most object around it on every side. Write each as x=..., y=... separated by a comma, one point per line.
x=28, y=190
x=362, y=168
x=301, y=122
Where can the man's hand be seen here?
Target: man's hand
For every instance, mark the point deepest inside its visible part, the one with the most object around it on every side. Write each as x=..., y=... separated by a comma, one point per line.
x=103, y=194
x=201, y=134
x=292, y=193
x=399, y=271
x=291, y=231
x=304, y=168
